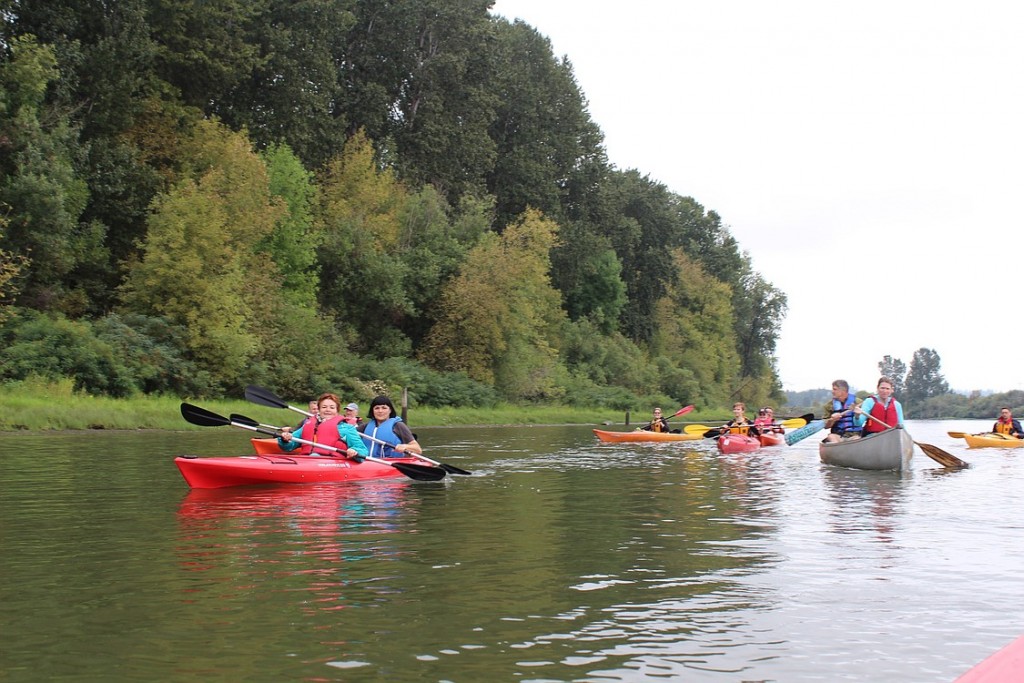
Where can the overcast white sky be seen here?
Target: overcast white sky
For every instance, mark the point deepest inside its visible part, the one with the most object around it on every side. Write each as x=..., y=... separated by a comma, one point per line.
x=863, y=154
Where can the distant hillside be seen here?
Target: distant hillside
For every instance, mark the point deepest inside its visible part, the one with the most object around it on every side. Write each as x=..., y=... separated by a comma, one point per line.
x=807, y=401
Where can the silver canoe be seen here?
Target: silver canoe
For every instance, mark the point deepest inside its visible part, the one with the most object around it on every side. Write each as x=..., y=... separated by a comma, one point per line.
x=888, y=450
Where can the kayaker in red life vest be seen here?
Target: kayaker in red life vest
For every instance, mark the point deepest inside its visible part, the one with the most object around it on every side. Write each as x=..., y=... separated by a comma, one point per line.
x=385, y=425
x=328, y=429
x=765, y=421
x=882, y=406
x=1007, y=424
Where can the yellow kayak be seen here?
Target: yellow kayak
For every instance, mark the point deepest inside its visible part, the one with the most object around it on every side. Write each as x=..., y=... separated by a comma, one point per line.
x=640, y=435
x=992, y=440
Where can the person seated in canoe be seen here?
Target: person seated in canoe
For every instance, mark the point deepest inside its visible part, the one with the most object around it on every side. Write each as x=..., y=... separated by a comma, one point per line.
x=385, y=425
x=840, y=419
x=657, y=424
x=1007, y=424
x=740, y=423
x=765, y=421
x=886, y=410
x=351, y=414
x=325, y=428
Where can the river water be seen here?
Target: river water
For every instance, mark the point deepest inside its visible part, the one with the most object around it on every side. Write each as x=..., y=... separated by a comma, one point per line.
x=560, y=559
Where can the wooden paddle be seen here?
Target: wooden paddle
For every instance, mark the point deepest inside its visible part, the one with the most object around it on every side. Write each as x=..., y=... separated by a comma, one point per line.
x=934, y=452
x=205, y=418
x=681, y=411
x=265, y=397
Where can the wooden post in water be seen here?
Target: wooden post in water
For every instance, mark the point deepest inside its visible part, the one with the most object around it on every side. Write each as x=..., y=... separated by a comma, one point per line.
x=405, y=404
x=627, y=418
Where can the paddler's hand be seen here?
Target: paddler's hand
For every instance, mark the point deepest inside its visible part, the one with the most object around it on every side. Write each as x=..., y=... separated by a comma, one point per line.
x=286, y=435
x=353, y=455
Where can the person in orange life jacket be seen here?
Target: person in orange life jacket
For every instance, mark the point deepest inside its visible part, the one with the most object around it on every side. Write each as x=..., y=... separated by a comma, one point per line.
x=881, y=406
x=739, y=424
x=385, y=425
x=765, y=421
x=351, y=414
x=326, y=428
x=657, y=423
x=1007, y=424
x=841, y=419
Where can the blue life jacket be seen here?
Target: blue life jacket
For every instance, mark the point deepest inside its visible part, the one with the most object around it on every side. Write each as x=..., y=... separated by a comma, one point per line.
x=385, y=431
x=846, y=422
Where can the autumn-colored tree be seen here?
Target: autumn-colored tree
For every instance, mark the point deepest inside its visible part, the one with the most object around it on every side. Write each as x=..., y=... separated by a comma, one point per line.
x=693, y=328
x=501, y=317
x=200, y=268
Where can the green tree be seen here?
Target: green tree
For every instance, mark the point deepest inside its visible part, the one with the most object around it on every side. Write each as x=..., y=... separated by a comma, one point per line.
x=924, y=380
x=40, y=183
x=896, y=370
x=295, y=239
x=542, y=132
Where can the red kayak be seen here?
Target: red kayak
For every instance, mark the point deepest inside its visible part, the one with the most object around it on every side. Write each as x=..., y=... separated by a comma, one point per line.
x=1004, y=666
x=215, y=473
x=738, y=443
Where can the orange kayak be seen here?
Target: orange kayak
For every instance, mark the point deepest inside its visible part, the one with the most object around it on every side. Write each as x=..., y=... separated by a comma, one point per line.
x=772, y=439
x=992, y=441
x=640, y=435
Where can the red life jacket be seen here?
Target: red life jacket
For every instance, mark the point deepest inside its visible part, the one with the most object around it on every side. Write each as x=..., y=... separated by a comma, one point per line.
x=883, y=413
x=325, y=433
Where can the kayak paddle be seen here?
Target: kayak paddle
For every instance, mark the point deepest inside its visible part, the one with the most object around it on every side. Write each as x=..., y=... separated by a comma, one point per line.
x=205, y=418
x=681, y=411
x=264, y=397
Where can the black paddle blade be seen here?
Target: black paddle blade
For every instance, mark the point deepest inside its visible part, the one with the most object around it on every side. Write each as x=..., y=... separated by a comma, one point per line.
x=202, y=417
x=419, y=472
x=242, y=419
x=263, y=397
x=452, y=469
x=712, y=433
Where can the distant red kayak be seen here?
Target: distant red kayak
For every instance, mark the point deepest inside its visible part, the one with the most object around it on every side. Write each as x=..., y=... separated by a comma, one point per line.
x=214, y=473
x=738, y=443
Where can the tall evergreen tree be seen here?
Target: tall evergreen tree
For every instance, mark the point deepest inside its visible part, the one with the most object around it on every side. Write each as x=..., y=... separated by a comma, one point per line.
x=925, y=380
x=896, y=370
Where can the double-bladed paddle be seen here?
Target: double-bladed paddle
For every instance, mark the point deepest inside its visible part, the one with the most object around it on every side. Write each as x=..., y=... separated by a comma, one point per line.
x=712, y=432
x=681, y=411
x=990, y=435
x=264, y=397
x=205, y=418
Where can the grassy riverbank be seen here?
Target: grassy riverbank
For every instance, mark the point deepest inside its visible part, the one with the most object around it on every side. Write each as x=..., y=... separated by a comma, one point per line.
x=50, y=406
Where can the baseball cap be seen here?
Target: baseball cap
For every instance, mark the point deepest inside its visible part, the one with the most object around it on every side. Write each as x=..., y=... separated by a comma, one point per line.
x=352, y=406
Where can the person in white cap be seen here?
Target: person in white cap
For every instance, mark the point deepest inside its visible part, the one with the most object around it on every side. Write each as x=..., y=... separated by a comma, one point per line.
x=351, y=414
